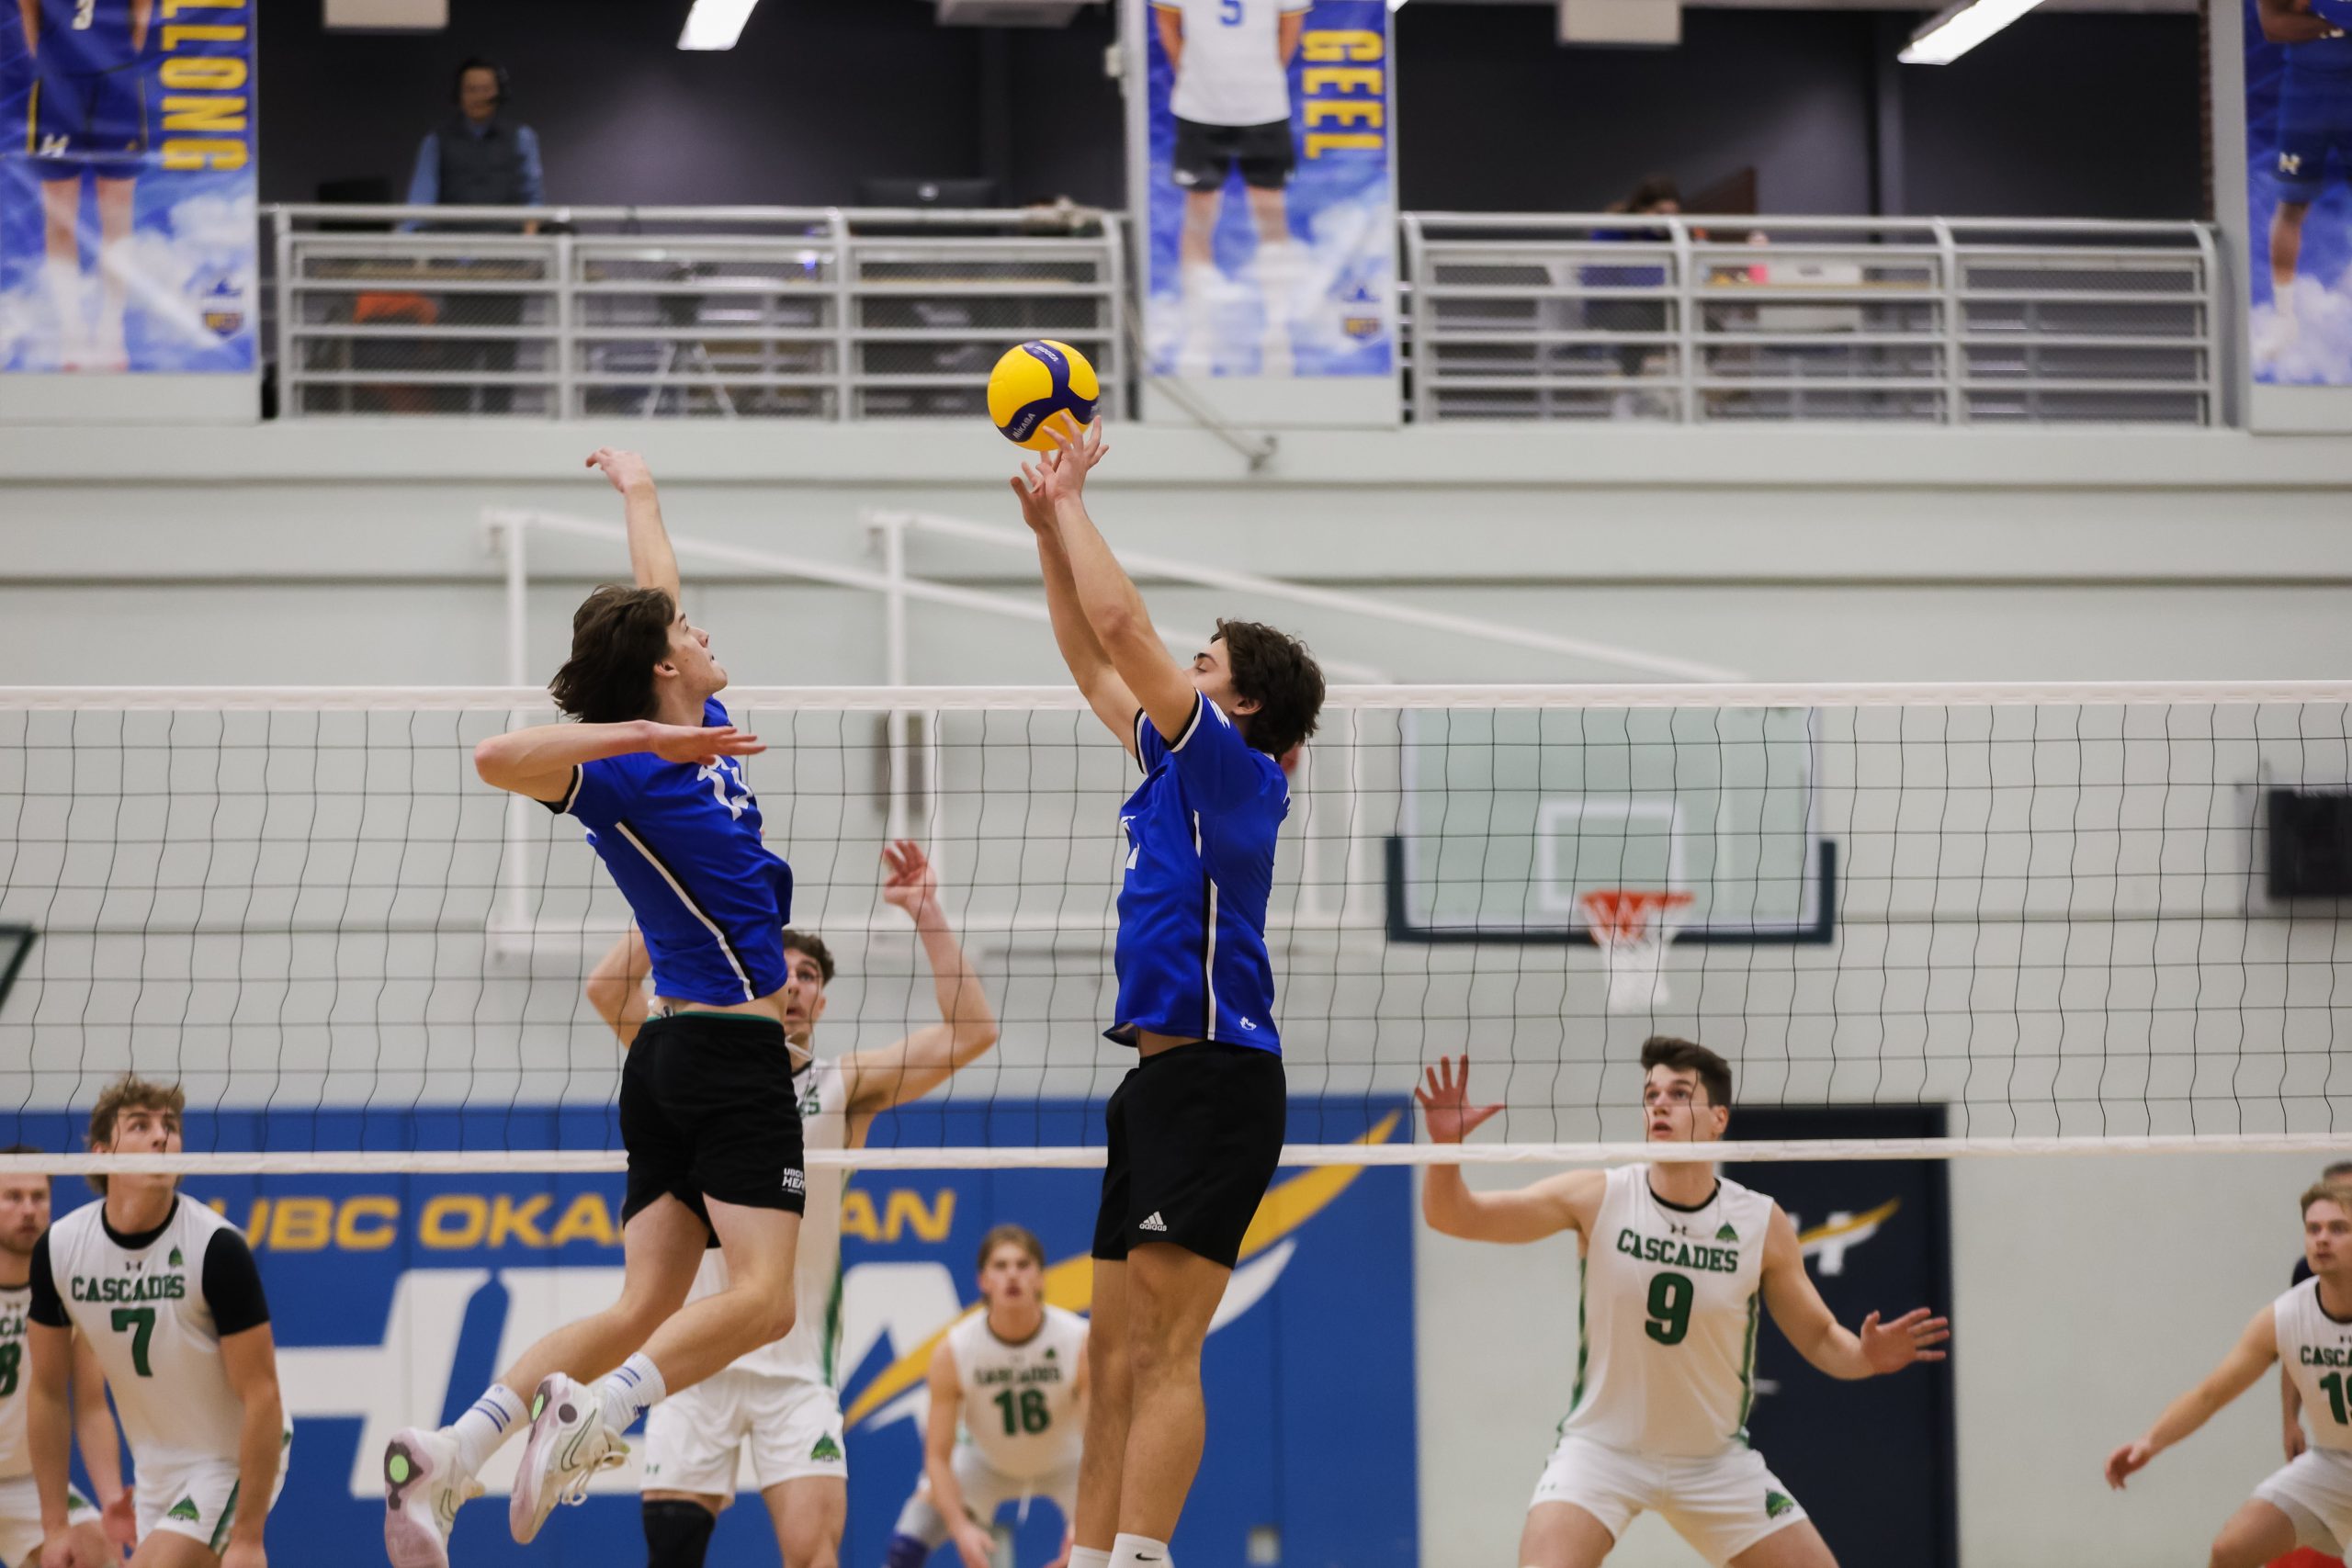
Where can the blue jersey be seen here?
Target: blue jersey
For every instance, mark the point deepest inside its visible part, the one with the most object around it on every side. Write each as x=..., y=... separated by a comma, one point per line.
x=86, y=38
x=1201, y=830
x=684, y=844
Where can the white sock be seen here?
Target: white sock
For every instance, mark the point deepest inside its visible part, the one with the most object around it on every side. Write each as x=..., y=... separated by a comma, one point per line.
x=114, y=292
x=1089, y=1557
x=63, y=282
x=1136, y=1552
x=634, y=1388
x=487, y=1422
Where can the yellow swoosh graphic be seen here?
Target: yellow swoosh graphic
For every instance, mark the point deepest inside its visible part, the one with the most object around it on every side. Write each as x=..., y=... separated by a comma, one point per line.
x=1070, y=1283
x=1860, y=1221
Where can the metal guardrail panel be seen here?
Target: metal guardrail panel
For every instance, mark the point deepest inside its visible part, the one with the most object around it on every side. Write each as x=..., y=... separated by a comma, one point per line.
x=773, y=313
x=828, y=315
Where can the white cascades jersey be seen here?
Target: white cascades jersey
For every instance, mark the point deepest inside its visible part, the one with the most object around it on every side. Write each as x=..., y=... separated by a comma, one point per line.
x=1666, y=1360
x=1020, y=1401
x=145, y=1312
x=1232, y=73
x=806, y=1355
x=2316, y=1351
x=16, y=1369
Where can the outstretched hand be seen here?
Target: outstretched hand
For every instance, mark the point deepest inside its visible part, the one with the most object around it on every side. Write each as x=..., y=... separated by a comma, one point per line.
x=701, y=745
x=1890, y=1346
x=1445, y=1101
x=2127, y=1458
x=1061, y=475
x=626, y=470
x=911, y=881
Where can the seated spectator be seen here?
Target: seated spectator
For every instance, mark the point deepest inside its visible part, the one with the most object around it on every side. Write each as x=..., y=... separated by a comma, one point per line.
x=1658, y=195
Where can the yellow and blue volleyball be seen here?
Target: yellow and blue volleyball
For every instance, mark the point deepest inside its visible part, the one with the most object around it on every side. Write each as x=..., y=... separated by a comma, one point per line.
x=1039, y=387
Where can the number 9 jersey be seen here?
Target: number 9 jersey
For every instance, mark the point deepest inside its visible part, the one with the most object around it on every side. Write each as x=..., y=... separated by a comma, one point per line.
x=1666, y=1357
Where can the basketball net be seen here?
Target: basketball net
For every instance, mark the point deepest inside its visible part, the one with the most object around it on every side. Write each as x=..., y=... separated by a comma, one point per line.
x=1631, y=926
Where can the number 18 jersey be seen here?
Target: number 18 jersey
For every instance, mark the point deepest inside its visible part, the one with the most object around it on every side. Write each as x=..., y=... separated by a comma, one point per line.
x=2316, y=1351
x=1666, y=1357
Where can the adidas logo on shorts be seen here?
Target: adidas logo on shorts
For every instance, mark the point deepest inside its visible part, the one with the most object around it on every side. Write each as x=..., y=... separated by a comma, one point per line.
x=1154, y=1223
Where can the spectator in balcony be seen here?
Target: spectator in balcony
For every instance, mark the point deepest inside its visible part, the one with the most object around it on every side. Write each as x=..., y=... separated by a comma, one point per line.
x=1658, y=195
x=479, y=159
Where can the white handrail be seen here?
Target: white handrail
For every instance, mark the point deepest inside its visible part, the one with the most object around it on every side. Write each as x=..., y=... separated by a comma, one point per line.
x=1331, y=599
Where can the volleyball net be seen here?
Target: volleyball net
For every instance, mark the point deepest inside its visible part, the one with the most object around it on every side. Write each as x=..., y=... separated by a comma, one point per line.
x=2063, y=916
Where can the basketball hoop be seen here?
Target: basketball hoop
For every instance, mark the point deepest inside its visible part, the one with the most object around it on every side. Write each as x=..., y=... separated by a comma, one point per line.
x=1631, y=926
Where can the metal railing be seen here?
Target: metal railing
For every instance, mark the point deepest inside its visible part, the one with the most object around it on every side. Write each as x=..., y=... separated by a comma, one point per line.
x=829, y=314
x=694, y=312
x=1785, y=319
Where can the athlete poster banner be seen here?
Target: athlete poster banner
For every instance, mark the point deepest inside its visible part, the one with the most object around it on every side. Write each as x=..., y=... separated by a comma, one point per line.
x=127, y=186
x=2299, y=155
x=1268, y=188
x=395, y=1300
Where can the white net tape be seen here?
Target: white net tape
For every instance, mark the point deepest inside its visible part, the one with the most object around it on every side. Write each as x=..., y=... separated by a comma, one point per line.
x=2050, y=912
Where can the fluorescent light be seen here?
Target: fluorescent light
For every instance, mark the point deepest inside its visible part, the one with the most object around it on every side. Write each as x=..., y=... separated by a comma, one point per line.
x=1961, y=28
x=716, y=24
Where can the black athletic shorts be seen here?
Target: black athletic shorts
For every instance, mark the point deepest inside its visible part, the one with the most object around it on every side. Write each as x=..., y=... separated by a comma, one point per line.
x=1195, y=1134
x=707, y=1111
x=1205, y=153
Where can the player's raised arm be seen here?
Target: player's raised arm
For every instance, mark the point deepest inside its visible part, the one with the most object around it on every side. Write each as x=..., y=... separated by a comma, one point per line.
x=973, y=1544
x=877, y=1080
x=1528, y=1213
x=616, y=987
x=651, y=560
x=2255, y=1349
x=1088, y=664
x=1114, y=609
x=1814, y=1329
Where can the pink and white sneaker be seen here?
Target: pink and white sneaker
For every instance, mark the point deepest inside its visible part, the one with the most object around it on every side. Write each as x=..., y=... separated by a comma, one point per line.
x=568, y=1444
x=424, y=1488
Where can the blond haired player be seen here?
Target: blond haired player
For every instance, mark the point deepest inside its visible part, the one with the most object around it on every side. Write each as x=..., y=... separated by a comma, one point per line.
x=2308, y=1501
x=24, y=1217
x=167, y=1292
x=780, y=1401
x=1008, y=1412
x=1676, y=1262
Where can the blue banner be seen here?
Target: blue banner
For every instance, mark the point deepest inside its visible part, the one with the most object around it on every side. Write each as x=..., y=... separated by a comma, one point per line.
x=127, y=186
x=396, y=1300
x=1271, y=203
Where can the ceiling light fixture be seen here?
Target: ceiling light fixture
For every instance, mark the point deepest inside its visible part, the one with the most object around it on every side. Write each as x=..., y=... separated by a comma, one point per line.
x=716, y=24
x=1959, y=29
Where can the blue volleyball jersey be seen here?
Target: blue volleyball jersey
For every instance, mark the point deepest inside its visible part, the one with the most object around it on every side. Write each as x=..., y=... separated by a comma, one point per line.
x=86, y=38
x=1201, y=832
x=683, y=844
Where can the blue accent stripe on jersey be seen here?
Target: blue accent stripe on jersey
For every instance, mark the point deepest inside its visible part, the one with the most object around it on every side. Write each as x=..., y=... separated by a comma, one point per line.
x=727, y=948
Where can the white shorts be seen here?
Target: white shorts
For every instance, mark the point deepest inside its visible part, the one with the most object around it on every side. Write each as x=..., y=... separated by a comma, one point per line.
x=20, y=1535
x=986, y=1489
x=696, y=1441
x=2316, y=1491
x=1722, y=1505
x=195, y=1497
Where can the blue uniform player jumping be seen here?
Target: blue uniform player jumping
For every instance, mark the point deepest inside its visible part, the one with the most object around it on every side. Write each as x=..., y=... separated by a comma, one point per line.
x=1196, y=1129
x=87, y=115
x=653, y=770
x=2314, y=126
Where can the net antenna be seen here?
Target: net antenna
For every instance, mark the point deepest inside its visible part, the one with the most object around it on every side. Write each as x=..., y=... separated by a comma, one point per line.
x=1631, y=926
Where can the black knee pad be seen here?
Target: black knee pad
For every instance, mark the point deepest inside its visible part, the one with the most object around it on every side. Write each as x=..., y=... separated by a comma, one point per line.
x=906, y=1551
x=677, y=1533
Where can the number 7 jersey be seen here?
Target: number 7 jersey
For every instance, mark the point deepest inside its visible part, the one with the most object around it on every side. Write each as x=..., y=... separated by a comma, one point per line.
x=1668, y=1300
x=144, y=1303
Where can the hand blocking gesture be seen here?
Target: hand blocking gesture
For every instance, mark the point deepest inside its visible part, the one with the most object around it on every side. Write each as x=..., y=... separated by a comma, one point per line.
x=1445, y=1099
x=1058, y=475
